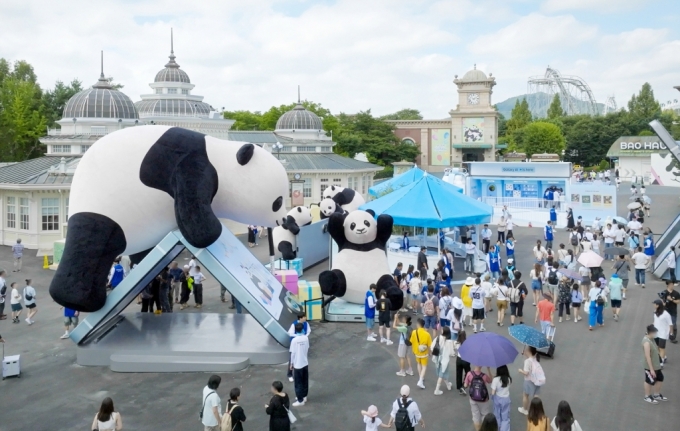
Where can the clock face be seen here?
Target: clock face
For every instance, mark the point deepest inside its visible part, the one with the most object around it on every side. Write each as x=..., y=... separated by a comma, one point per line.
x=297, y=176
x=473, y=99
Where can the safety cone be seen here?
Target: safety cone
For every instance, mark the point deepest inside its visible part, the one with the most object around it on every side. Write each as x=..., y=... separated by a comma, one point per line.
x=46, y=262
x=530, y=224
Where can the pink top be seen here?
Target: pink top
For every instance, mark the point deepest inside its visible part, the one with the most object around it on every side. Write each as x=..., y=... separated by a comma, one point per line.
x=468, y=378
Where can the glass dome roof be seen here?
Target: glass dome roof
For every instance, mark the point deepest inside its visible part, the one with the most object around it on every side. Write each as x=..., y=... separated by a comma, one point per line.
x=172, y=108
x=171, y=72
x=299, y=119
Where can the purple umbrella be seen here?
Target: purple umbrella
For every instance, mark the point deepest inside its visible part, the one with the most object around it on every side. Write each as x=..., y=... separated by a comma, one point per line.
x=487, y=349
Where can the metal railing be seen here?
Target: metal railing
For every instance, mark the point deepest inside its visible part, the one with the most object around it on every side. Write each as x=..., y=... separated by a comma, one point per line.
x=524, y=203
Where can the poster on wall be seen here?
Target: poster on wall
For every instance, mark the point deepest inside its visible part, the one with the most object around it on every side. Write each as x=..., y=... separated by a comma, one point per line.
x=473, y=130
x=441, y=147
x=297, y=193
x=592, y=200
x=665, y=170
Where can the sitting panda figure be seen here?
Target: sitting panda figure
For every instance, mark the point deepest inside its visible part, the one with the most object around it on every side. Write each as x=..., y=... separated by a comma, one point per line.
x=285, y=236
x=328, y=207
x=134, y=186
x=361, y=259
x=346, y=198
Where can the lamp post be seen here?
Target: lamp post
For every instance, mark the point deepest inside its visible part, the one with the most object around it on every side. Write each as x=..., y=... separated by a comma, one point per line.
x=277, y=147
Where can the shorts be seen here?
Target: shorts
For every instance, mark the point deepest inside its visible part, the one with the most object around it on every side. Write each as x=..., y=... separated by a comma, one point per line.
x=624, y=283
x=370, y=321
x=421, y=361
x=545, y=326
x=401, y=350
x=479, y=410
x=17, y=307
x=501, y=305
x=384, y=319
x=478, y=314
x=536, y=285
x=444, y=322
x=576, y=305
x=430, y=322
x=616, y=303
x=648, y=377
x=68, y=321
x=516, y=309
x=531, y=389
x=661, y=342
x=30, y=306
x=467, y=311
x=415, y=296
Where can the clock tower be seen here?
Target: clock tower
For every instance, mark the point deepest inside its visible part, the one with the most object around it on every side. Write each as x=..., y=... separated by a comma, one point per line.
x=474, y=122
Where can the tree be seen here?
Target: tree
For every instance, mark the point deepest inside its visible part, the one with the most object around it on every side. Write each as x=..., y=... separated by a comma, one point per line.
x=520, y=116
x=404, y=114
x=540, y=137
x=55, y=100
x=502, y=123
x=244, y=120
x=555, y=110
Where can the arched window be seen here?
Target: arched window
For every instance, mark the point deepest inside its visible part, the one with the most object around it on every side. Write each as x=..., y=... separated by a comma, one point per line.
x=408, y=141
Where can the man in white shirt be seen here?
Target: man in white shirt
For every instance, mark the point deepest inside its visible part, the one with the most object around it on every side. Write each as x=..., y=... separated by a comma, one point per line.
x=540, y=253
x=486, y=238
x=470, y=251
x=635, y=226
x=671, y=260
x=619, y=236
x=556, y=199
x=508, y=227
x=192, y=266
x=608, y=235
x=199, y=278
x=588, y=234
x=299, y=348
x=211, y=413
x=641, y=262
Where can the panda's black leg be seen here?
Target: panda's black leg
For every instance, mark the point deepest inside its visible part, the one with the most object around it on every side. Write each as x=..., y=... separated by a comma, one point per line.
x=287, y=250
x=394, y=294
x=93, y=241
x=333, y=283
x=194, y=184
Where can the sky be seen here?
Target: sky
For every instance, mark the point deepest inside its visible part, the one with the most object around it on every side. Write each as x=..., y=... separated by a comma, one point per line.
x=349, y=55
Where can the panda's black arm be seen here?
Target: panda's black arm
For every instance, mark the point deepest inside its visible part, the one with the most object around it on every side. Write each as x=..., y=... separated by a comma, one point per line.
x=385, y=223
x=336, y=229
x=344, y=197
x=291, y=225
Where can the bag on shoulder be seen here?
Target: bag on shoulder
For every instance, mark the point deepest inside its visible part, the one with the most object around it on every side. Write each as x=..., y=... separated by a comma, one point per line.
x=428, y=306
x=402, y=420
x=574, y=239
x=407, y=337
x=600, y=298
x=28, y=297
x=478, y=390
x=226, y=424
x=435, y=349
x=537, y=376
x=200, y=414
x=552, y=277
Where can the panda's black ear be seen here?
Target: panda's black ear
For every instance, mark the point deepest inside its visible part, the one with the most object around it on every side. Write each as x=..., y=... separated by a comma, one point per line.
x=245, y=153
x=299, y=209
x=371, y=212
x=332, y=188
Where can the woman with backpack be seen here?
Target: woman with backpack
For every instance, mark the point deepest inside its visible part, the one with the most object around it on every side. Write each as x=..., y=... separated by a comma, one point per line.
x=405, y=414
x=442, y=350
x=455, y=317
x=462, y=366
x=445, y=306
x=536, y=276
x=476, y=382
x=534, y=378
x=564, y=298
x=598, y=298
x=500, y=393
x=574, y=240
x=516, y=295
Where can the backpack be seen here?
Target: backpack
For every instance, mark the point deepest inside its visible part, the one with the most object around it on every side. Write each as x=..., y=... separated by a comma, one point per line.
x=407, y=336
x=514, y=293
x=600, y=298
x=402, y=420
x=478, y=390
x=552, y=277
x=226, y=424
x=428, y=306
x=574, y=238
x=537, y=376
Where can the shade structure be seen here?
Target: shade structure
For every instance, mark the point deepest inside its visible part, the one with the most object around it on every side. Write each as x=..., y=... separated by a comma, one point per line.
x=385, y=187
x=487, y=349
x=431, y=202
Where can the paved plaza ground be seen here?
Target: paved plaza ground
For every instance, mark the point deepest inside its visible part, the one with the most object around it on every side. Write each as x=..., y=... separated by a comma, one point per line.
x=598, y=372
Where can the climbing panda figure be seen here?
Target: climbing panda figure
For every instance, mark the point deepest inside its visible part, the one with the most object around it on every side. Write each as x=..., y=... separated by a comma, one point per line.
x=328, y=207
x=361, y=259
x=136, y=185
x=346, y=198
x=285, y=236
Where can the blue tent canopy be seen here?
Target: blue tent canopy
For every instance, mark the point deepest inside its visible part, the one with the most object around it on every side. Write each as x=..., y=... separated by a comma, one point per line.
x=431, y=202
x=408, y=177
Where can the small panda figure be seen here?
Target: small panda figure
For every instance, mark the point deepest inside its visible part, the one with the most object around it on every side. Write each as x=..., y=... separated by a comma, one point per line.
x=285, y=236
x=328, y=207
x=346, y=198
x=136, y=185
x=361, y=259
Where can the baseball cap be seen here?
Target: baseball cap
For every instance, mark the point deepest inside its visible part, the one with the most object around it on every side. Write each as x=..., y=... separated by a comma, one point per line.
x=405, y=391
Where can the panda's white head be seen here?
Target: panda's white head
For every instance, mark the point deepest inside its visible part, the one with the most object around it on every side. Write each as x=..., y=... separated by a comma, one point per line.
x=360, y=227
x=327, y=207
x=331, y=191
x=252, y=183
x=302, y=215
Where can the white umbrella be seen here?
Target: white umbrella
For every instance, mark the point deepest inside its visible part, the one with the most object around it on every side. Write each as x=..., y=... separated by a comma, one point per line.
x=634, y=205
x=647, y=199
x=590, y=259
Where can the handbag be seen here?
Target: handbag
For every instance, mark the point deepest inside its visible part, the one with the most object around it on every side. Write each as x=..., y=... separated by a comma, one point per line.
x=291, y=416
x=200, y=414
x=421, y=347
x=435, y=349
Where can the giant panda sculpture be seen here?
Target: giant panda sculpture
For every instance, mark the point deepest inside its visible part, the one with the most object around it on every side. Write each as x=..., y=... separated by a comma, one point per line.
x=134, y=186
x=328, y=207
x=361, y=259
x=346, y=198
x=285, y=236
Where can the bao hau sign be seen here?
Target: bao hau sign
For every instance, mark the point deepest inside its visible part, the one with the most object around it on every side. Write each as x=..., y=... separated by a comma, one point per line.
x=636, y=145
x=642, y=146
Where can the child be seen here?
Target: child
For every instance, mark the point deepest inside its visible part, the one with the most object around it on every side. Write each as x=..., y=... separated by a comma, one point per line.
x=404, y=329
x=384, y=307
x=369, y=312
x=70, y=319
x=510, y=267
x=576, y=300
x=415, y=286
x=372, y=420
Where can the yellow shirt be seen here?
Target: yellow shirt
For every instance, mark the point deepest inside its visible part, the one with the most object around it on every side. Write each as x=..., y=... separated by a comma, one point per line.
x=420, y=337
x=542, y=425
x=465, y=296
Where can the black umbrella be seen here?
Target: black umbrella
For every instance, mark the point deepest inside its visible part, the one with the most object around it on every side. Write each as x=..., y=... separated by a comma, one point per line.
x=617, y=251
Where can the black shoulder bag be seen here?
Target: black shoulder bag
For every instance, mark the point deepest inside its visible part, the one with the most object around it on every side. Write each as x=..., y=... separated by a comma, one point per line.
x=200, y=414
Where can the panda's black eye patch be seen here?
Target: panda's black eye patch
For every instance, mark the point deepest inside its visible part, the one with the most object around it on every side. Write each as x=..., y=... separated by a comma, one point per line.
x=277, y=204
x=352, y=226
x=367, y=223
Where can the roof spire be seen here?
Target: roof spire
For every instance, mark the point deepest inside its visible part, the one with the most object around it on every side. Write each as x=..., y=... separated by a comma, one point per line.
x=101, y=75
x=475, y=66
x=172, y=46
x=172, y=57
x=102, y=82
x=298, y=93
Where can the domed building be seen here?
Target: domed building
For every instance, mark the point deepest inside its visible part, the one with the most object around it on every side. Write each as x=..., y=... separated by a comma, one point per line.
x=468, y=134
x=172, y=103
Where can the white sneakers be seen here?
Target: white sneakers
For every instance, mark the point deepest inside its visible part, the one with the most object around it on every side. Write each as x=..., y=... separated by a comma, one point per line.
x=401, y=374
x=386, y=341
x=29, y=321
x=298, y=403
x=521, y=410
x=438, y=392
x=290, y=379
x=420, y=384
x=370, y=338
x=65, y=336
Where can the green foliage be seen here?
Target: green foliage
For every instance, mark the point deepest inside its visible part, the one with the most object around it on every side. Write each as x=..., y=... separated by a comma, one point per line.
x=645, y=133
x=540, y=137
x=603, y=165
x=502, y=122
x=244, y=120
x=520, y=117
x=388, y=172
x=555, y=110
x=404, y=114
x=55, y=100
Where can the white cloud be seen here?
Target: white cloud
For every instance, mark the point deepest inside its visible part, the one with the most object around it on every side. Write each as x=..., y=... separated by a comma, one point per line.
x=552, y=6
x=635, y=41
x=533, y=35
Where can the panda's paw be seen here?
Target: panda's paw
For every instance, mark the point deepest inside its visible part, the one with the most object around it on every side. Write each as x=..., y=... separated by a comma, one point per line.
x=394, y=294
x=333, y=283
